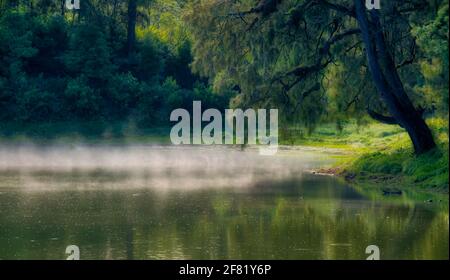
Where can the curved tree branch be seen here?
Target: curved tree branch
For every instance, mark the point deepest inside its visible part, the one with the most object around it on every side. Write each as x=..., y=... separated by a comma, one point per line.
x=302, y=72
x=381, y=118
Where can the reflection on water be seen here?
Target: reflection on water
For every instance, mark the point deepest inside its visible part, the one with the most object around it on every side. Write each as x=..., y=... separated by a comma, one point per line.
x=154, y=202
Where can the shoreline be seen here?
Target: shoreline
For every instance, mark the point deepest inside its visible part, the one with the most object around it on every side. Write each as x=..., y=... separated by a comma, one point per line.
x=377, y=156
x=386, y=184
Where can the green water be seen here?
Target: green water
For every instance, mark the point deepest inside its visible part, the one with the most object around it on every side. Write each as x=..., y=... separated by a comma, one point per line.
x=154, y=202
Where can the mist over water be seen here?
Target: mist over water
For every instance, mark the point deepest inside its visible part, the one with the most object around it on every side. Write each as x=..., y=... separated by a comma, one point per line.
x=154, y=166
x=201, y=202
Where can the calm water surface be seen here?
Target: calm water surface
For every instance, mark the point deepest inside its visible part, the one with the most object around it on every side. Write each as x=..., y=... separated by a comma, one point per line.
x=163, y=202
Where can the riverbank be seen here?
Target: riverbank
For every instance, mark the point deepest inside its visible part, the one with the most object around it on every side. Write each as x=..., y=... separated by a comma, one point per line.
x=381, y=156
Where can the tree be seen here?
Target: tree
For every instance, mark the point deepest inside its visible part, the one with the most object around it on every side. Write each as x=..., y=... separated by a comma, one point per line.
x=131, y=26
x=432, y=37
x=288, y=47
x=76, y=68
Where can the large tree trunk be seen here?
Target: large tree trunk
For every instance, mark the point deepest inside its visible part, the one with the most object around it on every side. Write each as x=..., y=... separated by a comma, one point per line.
x=388, y=83
x=131, y=32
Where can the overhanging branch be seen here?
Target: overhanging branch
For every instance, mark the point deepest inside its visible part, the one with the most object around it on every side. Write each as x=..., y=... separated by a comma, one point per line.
x=381, y=118
x=302, y=72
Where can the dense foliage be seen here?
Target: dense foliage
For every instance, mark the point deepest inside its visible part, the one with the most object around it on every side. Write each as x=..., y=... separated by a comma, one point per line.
x=62, y=65
x=310, y=58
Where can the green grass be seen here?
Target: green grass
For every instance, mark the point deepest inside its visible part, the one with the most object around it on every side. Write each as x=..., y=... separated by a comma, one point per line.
x=428, y=171
x=382, y=155
x=352, y=137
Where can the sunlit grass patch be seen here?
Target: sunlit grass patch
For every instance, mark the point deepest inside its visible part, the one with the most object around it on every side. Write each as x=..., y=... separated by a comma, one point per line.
x=382, y=153
x=393, y=155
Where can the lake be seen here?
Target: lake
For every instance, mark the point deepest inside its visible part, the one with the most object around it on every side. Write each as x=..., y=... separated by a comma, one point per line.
x=167, y=202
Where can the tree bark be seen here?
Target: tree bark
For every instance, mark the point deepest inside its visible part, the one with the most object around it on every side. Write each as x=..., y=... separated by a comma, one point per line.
x=388, y=82
x=131, y=32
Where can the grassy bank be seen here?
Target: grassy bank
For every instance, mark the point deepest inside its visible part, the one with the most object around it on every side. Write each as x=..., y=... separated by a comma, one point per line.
x=382, y=155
